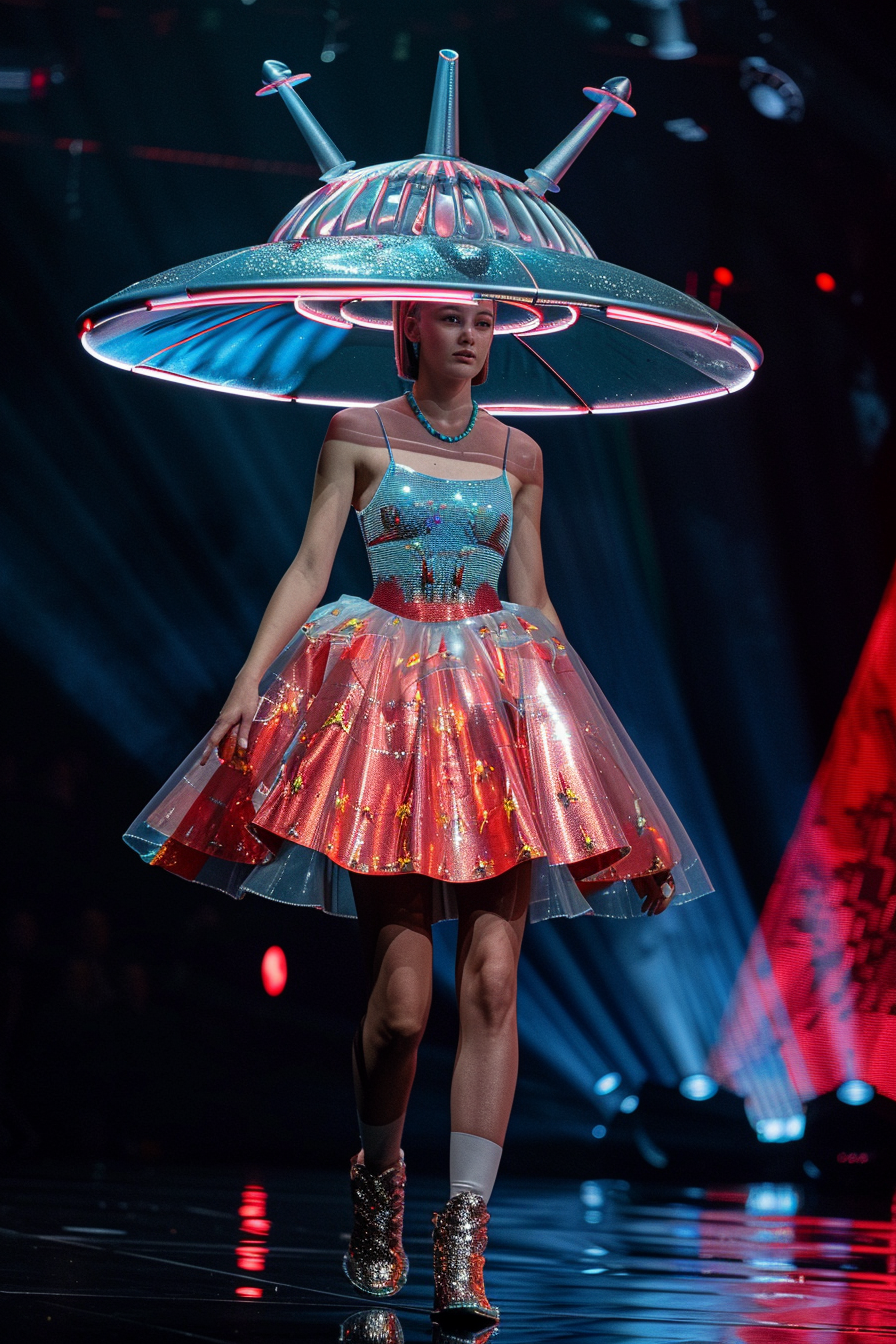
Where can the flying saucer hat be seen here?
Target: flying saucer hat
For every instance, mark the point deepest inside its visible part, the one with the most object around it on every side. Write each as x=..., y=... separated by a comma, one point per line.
x=308, y=315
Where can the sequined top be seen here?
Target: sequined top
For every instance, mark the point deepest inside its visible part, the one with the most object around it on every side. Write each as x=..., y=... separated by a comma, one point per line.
x=436, y=547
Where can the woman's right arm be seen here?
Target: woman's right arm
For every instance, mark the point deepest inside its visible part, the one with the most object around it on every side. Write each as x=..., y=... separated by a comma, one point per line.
x=298, y=592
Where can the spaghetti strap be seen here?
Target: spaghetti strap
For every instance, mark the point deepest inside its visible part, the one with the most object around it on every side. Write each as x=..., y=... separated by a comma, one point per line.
x=506, y=446
x=386, y=436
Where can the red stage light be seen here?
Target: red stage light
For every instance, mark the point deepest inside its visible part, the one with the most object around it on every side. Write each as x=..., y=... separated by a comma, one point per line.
x=244, y=1291
x=273, y=970
x=723, y=276
x=826, y=283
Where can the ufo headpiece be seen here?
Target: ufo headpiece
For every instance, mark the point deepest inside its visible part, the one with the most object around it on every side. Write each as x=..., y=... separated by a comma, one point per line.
x=307, y=316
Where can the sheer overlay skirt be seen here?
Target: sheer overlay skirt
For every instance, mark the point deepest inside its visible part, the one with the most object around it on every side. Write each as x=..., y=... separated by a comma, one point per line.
x=456, y=749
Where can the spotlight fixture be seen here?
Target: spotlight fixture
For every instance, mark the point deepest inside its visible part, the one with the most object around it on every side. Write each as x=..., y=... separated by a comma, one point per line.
x=628, y=1104
x=685, y=128
x=766, y=1198
x=607, y=1084
x=772, y=93
x=698, y=1087
x=854, y=1092
x=781, y=1129
x=669, y=39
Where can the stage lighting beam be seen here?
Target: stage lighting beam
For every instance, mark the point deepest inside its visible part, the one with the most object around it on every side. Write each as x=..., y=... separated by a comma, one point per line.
x=669, y=39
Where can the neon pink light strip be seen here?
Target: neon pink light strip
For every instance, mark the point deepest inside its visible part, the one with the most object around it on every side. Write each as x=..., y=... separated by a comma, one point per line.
x=561, y=323
x=333, y=293
x=535, y=410
x=675, y=324
x=313, y=316
x=209, y=387
x=671, y=323
x=626, y=409
x=329, y=401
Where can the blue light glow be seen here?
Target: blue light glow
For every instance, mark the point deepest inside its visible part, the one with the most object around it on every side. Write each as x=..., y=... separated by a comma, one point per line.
x=629, y=1104
x=591, y=1195
x=854, y=1092
x=607, y=1084
x=768, y=1198
x=698, y=1087
x=599, y=1132
x=781, y=1129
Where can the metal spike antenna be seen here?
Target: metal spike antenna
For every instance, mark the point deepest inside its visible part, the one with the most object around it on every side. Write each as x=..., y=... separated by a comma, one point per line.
x=612, y=97
x=280, y=79
x=442, y=137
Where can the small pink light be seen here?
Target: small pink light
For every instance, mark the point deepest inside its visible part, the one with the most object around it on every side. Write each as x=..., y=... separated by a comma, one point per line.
x=723, y=276
x=245, y=1291
x=260, y=1226
x=825, y=282
x=273, y=971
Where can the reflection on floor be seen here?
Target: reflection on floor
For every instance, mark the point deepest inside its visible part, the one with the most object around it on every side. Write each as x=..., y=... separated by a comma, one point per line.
x=219, y=1257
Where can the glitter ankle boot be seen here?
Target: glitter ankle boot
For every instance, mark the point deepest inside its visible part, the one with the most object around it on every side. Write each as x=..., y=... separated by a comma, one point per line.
x=459, y=1241
x=375, y=1261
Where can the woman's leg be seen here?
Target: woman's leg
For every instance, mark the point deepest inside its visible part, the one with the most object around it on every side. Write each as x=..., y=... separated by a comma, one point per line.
x=396, y=941
x=492, y=919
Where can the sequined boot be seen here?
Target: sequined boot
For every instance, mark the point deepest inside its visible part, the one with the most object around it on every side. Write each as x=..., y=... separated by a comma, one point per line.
x=459, y=1241
x=375, y=1261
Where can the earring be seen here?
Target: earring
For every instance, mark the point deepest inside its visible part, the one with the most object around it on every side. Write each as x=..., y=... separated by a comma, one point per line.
x=415, y=346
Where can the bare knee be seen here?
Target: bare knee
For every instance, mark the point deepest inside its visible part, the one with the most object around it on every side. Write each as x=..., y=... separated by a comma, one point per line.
x=488, y=991
x=397, y=1014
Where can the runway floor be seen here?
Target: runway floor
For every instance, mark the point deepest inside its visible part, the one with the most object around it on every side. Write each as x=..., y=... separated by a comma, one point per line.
x=219, y=1257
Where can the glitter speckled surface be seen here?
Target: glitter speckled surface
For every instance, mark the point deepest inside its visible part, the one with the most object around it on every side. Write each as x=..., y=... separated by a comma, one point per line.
x=436, y=543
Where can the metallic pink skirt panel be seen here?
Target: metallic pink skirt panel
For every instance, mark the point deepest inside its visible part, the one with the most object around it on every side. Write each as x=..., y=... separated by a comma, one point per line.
x=457, y=749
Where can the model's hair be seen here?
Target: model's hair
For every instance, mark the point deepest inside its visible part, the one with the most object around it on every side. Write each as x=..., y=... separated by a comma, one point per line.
x=406, y=359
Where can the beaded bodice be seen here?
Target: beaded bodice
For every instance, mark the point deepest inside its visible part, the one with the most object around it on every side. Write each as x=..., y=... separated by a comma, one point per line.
x=436, y=546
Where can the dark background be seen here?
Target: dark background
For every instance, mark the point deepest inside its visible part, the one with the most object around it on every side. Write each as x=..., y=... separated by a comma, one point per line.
x=718, y=567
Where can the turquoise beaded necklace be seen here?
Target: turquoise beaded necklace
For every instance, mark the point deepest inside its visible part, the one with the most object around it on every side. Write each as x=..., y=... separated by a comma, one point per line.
x=446, y=438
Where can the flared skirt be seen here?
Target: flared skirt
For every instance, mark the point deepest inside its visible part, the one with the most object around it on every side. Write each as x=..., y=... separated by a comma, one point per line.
x=454, y=749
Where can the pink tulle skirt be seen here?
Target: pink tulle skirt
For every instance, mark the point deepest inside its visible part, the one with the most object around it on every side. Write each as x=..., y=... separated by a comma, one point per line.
x=456, y=749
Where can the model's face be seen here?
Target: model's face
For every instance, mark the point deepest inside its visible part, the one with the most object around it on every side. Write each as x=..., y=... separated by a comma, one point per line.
x=454, y=338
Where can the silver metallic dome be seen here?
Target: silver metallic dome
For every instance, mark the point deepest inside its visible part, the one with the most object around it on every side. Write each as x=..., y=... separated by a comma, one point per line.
x=307, y=316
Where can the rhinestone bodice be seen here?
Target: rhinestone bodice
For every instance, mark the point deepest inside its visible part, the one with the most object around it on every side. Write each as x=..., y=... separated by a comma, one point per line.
x=436, y=547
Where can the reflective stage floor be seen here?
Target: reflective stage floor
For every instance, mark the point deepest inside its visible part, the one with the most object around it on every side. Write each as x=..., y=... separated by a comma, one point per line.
x=221, y=1257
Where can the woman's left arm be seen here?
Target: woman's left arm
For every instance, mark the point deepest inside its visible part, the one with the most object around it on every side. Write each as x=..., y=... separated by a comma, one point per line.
x=525, y=566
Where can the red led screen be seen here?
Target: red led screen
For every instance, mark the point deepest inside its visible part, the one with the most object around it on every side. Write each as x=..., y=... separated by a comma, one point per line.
x=818, y=985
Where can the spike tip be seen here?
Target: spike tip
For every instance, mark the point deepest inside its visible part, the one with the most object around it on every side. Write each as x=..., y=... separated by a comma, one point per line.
x=442, y=137
x=329, y=159
x=612, y=97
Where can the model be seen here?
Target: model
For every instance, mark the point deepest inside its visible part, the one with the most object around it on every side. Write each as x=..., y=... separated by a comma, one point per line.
x=434, y=752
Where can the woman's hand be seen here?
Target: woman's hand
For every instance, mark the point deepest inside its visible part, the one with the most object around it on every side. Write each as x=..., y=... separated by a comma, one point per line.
x=656, y=891
x=236, y=716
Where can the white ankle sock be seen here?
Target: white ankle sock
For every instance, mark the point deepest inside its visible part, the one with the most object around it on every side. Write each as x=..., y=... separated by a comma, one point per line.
x=381, y=1143
x=473, y=1164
